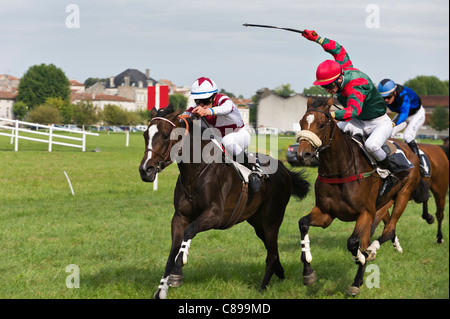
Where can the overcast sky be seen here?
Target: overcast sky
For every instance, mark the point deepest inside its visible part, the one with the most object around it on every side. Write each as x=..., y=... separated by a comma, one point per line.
x=181, y=40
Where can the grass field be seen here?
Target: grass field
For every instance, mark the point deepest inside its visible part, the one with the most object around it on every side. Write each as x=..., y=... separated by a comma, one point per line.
x=116, y=229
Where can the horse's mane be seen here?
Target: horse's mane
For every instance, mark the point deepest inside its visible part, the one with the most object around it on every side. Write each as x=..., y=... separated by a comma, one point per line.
x=165, y=111
x=319, y=101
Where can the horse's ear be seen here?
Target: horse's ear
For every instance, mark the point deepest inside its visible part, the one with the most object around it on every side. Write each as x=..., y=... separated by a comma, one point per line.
x=330, y=102
x=309, y=103
x=153, y=112
x=177, y=112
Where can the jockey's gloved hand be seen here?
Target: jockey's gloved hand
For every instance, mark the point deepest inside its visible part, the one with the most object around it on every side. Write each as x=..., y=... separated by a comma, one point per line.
x=311, y=35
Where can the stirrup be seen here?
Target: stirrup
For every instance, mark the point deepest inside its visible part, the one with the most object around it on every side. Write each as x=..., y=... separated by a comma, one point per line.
x=388, y=184
x=254, y=181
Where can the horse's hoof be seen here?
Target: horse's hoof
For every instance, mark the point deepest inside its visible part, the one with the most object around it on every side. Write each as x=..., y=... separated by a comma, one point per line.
x=160, y=294
x=308, y=280
x=175, y=280
x=372, y=255
x=439, y=241
x=354, y=291
x=430, y=220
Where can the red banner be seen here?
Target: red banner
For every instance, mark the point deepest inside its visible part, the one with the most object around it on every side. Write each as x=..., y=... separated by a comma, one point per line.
x=160, y=92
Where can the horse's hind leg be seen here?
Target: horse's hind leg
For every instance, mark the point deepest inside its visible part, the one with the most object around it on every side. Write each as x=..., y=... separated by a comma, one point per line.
x=440, y=205
x=314, y=218
x=357, y=244
x=389, y=230
x=425, y=215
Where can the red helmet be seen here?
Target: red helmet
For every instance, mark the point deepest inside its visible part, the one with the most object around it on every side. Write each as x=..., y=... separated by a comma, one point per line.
x=327, y=72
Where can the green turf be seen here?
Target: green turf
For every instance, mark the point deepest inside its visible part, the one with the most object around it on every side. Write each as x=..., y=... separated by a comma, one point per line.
x=116, y=229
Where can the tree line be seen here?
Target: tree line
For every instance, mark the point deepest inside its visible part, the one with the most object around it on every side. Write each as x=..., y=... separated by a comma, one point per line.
x=44, y=97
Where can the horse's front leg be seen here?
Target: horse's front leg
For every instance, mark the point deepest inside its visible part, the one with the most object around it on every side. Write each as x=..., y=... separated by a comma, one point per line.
x=208, y=220
x=178, y=226
x=314, y=218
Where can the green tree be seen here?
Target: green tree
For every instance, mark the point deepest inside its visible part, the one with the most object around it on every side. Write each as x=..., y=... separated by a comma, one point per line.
x=41, y=82
x=229, y=94
x=85, y=113
x=20, y=109
x=439, y=118
x=44, y=114
x=315, y=90
x=114, y=115
x=64, y=107
x=178, y=101
x=284, y=90
x=428, y=85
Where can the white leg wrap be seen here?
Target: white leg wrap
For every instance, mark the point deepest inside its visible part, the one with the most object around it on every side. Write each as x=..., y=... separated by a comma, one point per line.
x=163, y=287
x=359, y=257
x=185, y=245
x=397, y=246
x=306, y=248
x=374, y=247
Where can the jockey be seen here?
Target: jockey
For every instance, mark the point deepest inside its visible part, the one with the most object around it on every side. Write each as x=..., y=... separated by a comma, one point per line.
x=220, y=112
x=408, y=106
x=364, y=109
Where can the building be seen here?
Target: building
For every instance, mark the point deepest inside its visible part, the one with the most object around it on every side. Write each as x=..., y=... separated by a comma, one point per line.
x=131, y=84
x=281, y=113
x=284, y=113
x=76, y=86
x=100, y=100
x=7, y=100
x=429, y=102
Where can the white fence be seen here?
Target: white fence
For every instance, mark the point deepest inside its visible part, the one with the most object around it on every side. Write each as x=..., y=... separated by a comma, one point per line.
x=50, y=133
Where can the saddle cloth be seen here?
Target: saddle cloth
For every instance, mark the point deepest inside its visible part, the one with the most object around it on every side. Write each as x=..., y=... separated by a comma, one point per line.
x=397, y=158
x=242, y=171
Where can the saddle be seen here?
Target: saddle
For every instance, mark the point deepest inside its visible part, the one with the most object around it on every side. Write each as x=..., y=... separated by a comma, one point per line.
x=398, y=160
x=242, y=171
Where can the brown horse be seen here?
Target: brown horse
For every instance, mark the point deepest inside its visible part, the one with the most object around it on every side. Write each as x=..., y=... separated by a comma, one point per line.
x=438, y=181
x=347, y=188
x=209, y=194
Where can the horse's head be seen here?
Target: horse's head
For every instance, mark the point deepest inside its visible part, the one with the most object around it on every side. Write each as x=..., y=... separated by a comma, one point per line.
x=315, y=126
x=158, y=142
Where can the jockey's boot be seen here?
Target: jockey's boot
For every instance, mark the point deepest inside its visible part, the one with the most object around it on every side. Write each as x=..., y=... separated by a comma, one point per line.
x=390, y=181
x=254, y=179
x=413, y=146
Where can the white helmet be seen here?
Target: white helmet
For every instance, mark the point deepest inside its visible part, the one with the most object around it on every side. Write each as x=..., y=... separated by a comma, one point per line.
x=203, y=88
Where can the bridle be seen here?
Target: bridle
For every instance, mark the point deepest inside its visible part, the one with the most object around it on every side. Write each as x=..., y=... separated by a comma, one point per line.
x=313, y=139
x=321, y=146
x=166, y=160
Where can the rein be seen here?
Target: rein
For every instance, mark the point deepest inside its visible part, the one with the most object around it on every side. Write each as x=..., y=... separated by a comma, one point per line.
x=166, y=156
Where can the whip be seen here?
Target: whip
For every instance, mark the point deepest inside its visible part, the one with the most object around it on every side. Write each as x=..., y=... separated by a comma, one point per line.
x=272, y=27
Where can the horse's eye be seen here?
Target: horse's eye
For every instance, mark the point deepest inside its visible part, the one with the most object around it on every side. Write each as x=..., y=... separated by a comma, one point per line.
x=321, y=126
x=166, y=136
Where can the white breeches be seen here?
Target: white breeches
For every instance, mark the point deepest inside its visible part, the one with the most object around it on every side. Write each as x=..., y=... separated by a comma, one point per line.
x=378, y=131
x=236, y=141
x=411, y=125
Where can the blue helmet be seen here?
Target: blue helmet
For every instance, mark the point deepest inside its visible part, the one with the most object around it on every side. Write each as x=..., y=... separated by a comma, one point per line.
x=386, y=87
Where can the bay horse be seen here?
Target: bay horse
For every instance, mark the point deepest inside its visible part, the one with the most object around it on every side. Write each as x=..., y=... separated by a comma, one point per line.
x=209, y=194
x=347, y=188
x=438, y=181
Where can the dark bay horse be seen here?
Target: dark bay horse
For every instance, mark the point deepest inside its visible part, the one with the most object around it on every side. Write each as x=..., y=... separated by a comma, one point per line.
x=347, y=188
x=210, y=194
x=438, y=181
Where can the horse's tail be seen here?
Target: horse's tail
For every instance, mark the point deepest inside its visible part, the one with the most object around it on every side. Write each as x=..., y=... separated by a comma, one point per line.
x=300, y=186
